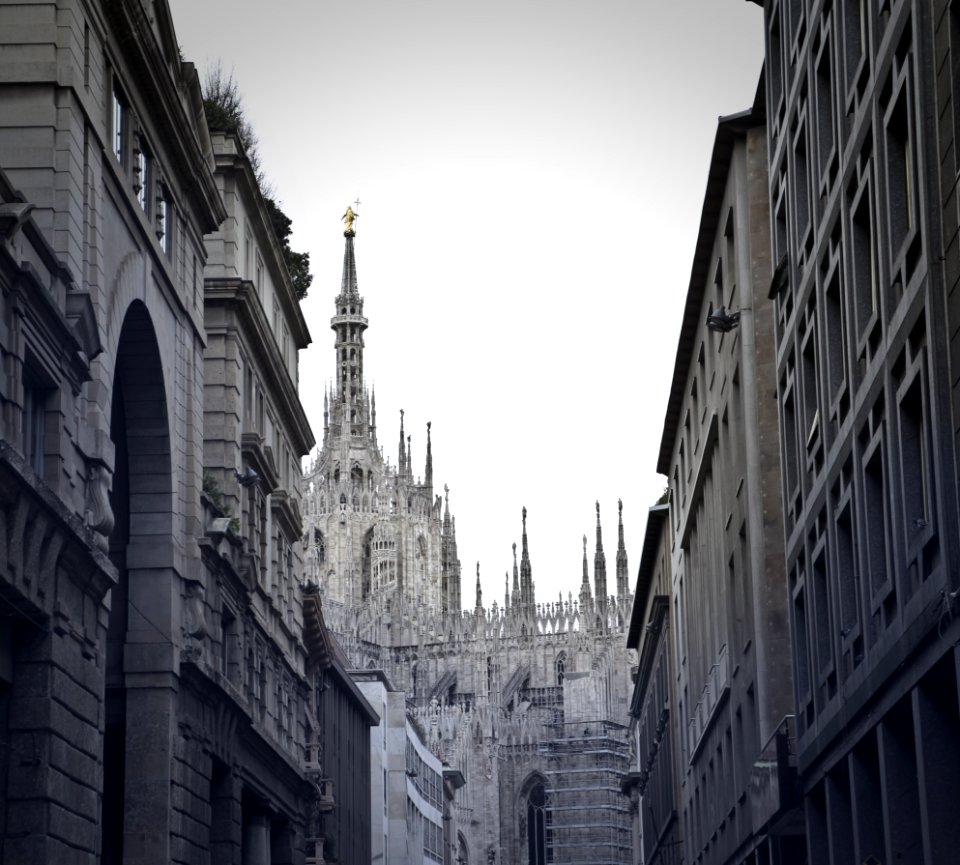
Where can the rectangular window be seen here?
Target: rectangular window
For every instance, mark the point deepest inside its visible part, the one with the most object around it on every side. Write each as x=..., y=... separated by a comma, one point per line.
x=901, y=185
x=164, y=220
x=141, y=174
x=119, y=127
x=864, y=264
x=34, y=423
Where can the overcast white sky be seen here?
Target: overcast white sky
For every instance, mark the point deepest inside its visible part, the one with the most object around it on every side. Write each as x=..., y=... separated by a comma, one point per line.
x=531, y=176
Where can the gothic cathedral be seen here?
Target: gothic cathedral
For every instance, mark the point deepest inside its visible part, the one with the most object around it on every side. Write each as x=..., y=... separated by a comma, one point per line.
x=527, y=700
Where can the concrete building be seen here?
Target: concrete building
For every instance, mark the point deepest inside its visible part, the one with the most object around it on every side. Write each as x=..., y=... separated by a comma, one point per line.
x=720, y=452
x=526, y=701
x=862, y=155
x=412, y=792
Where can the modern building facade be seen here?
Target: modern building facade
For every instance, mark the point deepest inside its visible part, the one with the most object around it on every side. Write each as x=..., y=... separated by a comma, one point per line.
x=862, y=120
x=727, y=604
x=527, y=702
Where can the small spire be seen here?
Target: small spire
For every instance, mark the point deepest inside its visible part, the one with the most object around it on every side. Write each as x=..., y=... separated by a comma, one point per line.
x=516, y=578
x=409, y=459
x=586, y=574
x=526, y=571
x=506, y=590
x=623, y=578
x=373, y=413
x=402, y=457
x=600, y=571
x=479, y=593
x=428, y=474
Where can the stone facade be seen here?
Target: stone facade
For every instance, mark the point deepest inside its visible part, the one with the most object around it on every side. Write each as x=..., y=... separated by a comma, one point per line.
x=725, y=601
x=156, y=692
x=524, y=699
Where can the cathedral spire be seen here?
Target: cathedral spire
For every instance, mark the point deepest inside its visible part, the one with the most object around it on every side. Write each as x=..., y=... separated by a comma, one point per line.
x=428, y=473
x=409, y=459
x=402, y=454
x=516, y=578
x=479, y=592
x=348, y=283
x=623, y=579
x=350, y=416
x=326, y=414
x=600, y=571
x=526, y=572
x=585, y=597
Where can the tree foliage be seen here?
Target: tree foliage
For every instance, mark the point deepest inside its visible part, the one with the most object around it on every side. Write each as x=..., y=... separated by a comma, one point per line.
x=223, y=106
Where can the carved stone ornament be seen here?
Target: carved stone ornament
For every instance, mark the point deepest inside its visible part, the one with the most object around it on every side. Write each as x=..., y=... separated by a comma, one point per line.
x=98, y=515
x=194, y=612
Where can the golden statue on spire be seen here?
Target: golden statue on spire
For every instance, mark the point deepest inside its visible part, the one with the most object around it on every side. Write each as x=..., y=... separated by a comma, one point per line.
x=348, y=219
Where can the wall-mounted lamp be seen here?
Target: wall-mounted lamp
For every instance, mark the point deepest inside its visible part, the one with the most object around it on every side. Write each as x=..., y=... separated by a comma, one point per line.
x=721, y=321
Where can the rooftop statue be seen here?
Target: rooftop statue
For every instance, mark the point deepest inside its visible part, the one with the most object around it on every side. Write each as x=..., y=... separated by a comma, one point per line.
x=348, y=220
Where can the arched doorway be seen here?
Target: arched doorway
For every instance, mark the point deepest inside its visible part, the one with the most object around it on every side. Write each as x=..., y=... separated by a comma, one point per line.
x=140, y=624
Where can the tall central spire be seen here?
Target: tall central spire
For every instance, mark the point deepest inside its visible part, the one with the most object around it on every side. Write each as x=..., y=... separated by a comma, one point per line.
x=348, y=323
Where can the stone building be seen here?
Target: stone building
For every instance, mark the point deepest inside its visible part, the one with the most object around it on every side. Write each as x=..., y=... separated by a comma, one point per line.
x=156, y=694
x=728, y=604
x=528, y=700
x=862, y=170
x=250, y=666
x=652, y=782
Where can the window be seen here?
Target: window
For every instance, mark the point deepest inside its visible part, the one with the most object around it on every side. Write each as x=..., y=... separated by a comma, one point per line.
x=142, y=170
x=537, y=826
x=164, y=220
x=119, y=126
x=34, y=421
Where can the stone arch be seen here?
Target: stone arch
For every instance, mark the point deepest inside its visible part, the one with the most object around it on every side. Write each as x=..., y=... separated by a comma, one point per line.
x=141, y=631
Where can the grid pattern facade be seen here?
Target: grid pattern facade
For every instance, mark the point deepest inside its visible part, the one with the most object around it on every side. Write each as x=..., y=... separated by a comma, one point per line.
x=867, y=450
